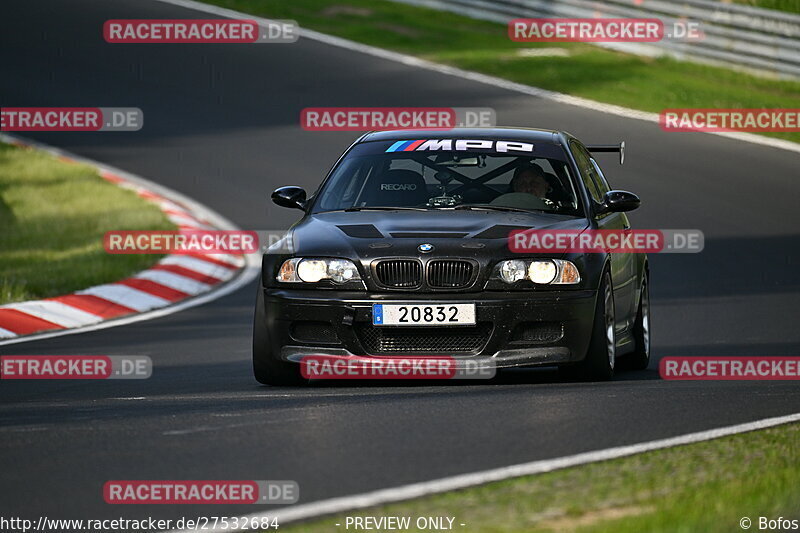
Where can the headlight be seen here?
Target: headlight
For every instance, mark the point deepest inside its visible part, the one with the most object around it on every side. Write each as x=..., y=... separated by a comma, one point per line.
x=567, y=273
x=539, y=271
x=341, y=270
x=300, y=270
x=511, y=271
x=542, y=272
x=312, y=270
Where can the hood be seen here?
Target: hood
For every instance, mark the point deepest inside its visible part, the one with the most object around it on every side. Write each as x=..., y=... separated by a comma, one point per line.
x=372, y=234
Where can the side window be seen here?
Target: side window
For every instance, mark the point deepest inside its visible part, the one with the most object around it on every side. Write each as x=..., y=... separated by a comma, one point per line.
x=600, y=179
x=586, y=169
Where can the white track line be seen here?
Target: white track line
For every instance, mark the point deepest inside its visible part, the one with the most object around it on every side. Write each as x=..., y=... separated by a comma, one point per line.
x=187, y=220
x=238, y=279
x=426, y=488
x=166, y=204
x=56, y=312
x=126, y=296
x=198, y=265
x=4, y=333
x=481, y=78
x=234, y=260
x=174, y=281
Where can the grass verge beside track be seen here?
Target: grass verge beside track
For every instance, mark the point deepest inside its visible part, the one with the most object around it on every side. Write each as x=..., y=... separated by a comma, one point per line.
x=53, y=216
x=704, y=487
x=649, y=84
x=790, y=6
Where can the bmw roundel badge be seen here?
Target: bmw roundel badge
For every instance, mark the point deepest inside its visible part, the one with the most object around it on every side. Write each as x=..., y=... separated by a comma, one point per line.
x=425, y=248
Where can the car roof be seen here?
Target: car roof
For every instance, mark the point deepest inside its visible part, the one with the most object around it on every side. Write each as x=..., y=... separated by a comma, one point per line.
x=511, y=134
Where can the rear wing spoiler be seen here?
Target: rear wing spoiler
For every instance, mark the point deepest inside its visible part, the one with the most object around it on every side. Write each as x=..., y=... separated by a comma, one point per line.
x=609, y=148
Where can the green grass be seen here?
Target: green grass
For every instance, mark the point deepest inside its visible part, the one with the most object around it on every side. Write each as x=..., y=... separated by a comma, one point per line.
x=53, y=216
x=705, y=487
x=649, y=84
x=792, y=6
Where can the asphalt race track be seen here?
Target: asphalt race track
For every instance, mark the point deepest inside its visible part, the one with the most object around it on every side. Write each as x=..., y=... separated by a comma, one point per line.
x=222, y=126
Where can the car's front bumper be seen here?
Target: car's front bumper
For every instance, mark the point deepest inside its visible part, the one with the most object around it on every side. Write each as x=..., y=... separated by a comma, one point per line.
x=514, y=328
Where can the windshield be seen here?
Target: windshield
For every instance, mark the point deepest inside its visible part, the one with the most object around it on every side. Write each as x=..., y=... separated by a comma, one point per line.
x=373, y=175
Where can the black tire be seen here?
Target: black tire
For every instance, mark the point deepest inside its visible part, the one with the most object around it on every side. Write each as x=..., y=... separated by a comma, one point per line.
x=267, y=369
x=601, y=355
x=640, y=358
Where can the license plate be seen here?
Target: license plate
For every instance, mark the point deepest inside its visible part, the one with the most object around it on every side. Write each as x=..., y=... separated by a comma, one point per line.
x=423, y=314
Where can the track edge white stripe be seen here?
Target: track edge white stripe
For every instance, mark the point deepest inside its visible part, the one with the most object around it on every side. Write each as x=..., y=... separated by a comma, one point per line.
x=426, y=488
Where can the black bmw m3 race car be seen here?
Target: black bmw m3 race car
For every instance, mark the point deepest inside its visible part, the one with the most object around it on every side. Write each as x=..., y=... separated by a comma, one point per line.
x=404, y=251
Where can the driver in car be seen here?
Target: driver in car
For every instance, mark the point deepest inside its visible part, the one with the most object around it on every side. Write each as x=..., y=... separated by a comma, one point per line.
x=529, y=189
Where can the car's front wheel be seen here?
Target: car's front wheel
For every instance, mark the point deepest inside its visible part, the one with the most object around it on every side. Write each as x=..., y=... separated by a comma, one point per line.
x=640, y=358
x=601, y=356
x=267, y=369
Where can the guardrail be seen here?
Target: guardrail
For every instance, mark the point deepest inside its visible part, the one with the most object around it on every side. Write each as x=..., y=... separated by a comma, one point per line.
x=759, y=40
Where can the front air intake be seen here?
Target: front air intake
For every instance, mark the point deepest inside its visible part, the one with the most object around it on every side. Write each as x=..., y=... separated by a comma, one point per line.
x=399, y=273
x=449, y=274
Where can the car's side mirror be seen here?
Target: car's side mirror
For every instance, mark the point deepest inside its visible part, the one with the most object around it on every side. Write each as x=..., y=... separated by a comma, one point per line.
x=290, y=196
x=620, y=202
